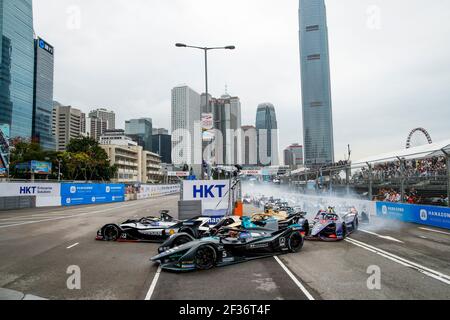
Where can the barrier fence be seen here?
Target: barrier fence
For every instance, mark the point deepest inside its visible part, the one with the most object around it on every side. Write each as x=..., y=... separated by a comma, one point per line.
x=74, y=194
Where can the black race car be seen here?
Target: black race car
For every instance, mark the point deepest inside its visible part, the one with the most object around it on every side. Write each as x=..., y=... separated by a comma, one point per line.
x=230, y=247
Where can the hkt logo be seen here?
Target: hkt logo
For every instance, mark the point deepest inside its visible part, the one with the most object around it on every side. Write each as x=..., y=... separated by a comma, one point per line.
x=28, y=190
x=205, y=192
x=423, y=215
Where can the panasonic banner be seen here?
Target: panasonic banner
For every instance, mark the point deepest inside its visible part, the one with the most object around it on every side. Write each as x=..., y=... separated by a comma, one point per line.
x=214, y=195
x=426, y=215
x=73, y=194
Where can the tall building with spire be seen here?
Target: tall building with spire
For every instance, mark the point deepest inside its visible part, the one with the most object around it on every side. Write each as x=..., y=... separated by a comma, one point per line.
x=316, y=84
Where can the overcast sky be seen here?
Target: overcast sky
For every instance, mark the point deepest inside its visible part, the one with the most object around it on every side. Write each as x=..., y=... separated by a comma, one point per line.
x=390, y=61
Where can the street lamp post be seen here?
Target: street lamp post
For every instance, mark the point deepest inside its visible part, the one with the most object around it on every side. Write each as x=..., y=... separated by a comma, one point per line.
x=205, y=49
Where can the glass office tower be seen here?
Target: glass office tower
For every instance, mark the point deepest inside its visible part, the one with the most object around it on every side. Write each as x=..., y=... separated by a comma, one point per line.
x=267, y=135
x=17, y=66
x=142, y=129
x=316, y=86
x=43, y=95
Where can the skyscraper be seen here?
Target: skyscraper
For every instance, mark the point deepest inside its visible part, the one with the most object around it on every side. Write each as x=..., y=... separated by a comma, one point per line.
x=67, y=125
x=293, y=155
x=142, y=129
x=43, y=94
x=17, y=66
x=186, y=143
x=227, y=119
x=162, y=145
x=316, y=86
x=267, y=135
x=105, y=115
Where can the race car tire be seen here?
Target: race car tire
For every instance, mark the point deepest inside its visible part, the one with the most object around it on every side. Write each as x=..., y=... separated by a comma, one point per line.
x=111, y=233
x=295, y=242
x=344, y=232
x=205, y=258
x=182, y=239
x=355, y=224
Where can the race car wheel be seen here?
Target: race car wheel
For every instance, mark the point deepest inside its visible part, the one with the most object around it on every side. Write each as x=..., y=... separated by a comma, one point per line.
x=205, y=258
x=344, y=232
x=111, y=233
x=181, y=240
x=296, y=242
x=355, y=225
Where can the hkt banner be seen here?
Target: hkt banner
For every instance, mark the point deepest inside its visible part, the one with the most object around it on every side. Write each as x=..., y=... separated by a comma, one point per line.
x=426, y=215
x=73, y=194
x=29, y=189
x=214, y=195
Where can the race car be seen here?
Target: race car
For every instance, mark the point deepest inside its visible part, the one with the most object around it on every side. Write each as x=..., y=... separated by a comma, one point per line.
x=147, y=229
x=329, y=226
x=234, y=246
x=151, y=229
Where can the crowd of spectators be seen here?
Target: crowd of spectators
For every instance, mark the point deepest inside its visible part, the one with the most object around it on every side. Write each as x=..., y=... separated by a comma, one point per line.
x=391, y=195
x=424, y=168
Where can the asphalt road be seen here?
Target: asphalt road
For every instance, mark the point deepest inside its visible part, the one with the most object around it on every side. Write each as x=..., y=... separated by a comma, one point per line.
x=38, y=246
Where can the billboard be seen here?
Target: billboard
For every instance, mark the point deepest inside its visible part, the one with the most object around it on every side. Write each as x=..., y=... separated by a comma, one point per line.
x=214, y=195
x=426, y=215
x=36, y=167
x=73, y=194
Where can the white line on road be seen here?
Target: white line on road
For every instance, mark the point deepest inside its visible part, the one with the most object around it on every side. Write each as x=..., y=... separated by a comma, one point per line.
x=433, y=230
x=422, y=269
x=296, y=281
x=153, y=285
x=58, y=218
x=74, y=245
x=381, y=236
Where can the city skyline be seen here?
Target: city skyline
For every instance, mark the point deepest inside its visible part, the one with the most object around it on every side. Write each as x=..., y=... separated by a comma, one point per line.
x=369, y=73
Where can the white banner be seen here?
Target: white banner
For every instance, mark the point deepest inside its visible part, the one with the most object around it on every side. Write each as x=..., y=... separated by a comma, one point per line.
x=152, y=191
x=214, y=195
x=30, y=189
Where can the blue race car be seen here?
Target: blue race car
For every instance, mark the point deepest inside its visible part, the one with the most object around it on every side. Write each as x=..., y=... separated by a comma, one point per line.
x=329, y=226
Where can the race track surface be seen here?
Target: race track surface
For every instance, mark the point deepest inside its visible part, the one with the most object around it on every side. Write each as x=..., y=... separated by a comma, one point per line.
x=38, y=246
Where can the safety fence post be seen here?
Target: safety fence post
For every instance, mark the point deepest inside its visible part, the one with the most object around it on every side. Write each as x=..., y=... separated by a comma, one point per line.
x=402, y=179
x=370, y=182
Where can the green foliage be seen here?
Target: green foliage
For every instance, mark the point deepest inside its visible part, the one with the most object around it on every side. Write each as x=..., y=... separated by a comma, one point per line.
x=83, y=159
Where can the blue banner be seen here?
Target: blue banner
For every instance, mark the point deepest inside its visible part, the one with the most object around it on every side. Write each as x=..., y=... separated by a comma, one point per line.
x=426, y=215
x=73, y=194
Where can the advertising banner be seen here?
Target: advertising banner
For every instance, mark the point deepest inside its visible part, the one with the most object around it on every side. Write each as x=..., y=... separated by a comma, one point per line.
x=426, y=215
x=181, y=174
x=29, y=189
x=47, y=194
x=152, y=191
x=213, y=194
x=73, y=194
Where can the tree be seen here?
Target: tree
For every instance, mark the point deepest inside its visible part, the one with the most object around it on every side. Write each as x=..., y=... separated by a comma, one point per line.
x=85, y=159
x=23, y=151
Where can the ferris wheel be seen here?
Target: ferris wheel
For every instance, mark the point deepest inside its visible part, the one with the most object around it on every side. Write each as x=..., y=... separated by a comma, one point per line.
x=417, y=137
